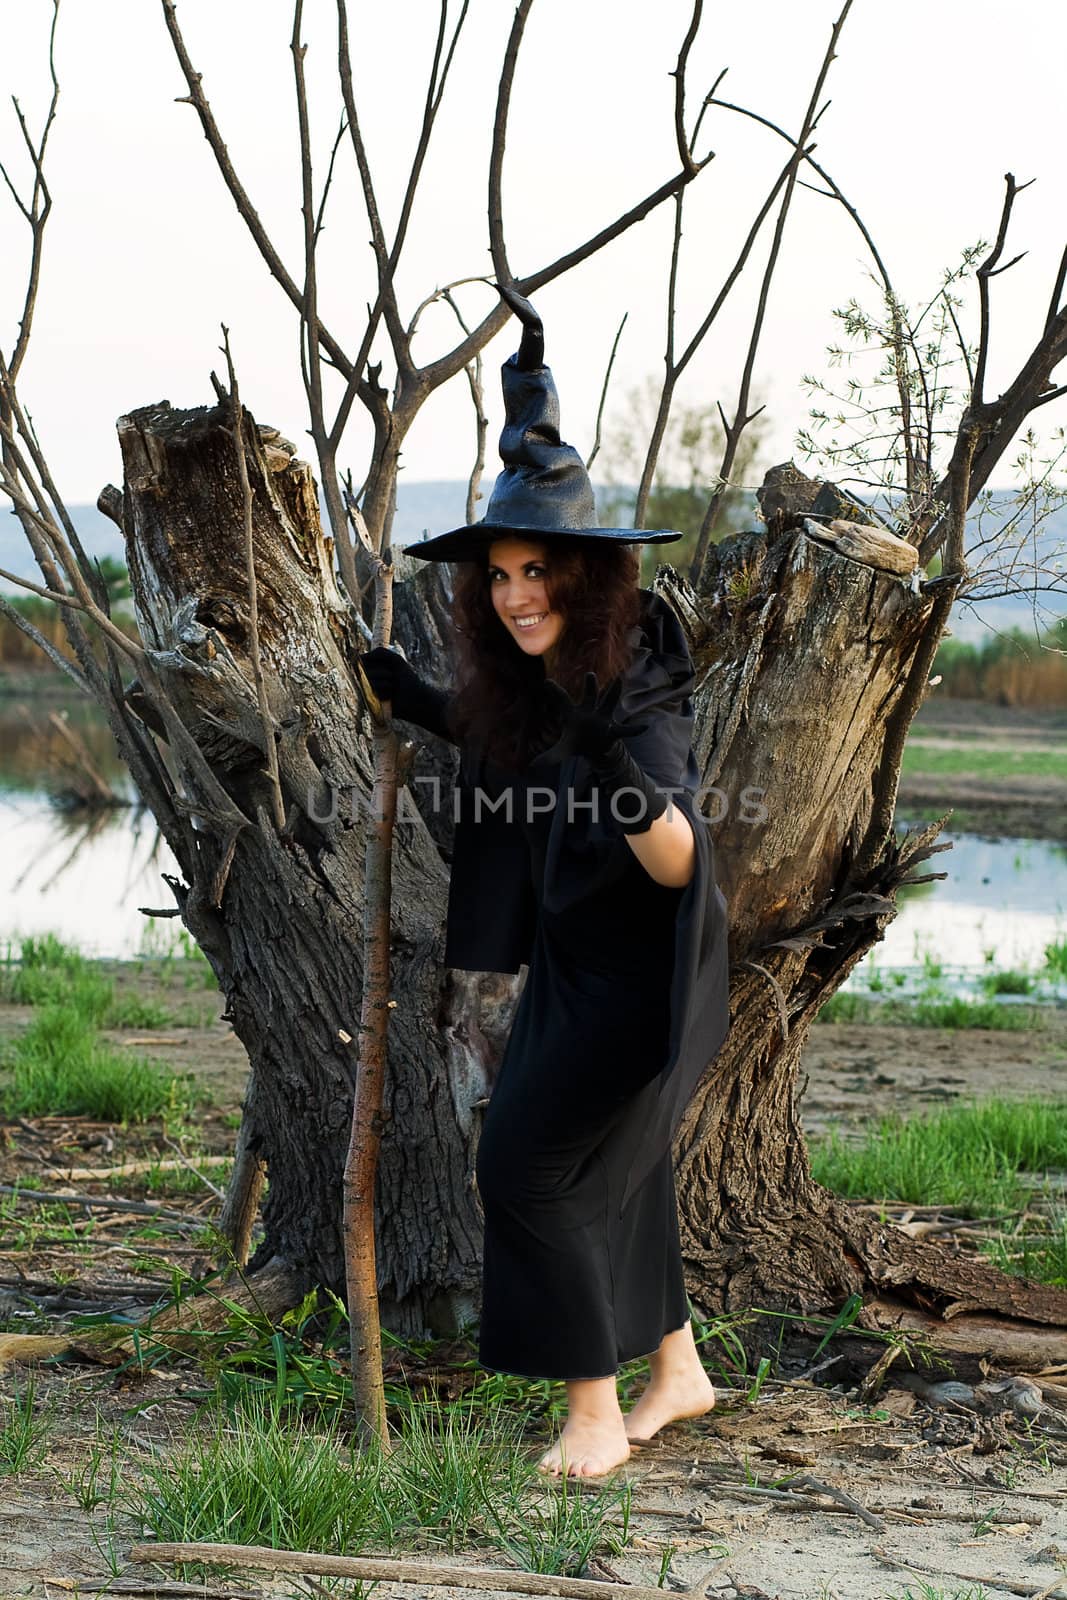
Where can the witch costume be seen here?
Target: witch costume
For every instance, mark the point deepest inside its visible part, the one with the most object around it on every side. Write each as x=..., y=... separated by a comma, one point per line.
x=625, y=1001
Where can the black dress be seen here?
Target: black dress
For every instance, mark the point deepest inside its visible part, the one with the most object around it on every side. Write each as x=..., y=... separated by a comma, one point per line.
x=626, y=1002
x=574, y=1284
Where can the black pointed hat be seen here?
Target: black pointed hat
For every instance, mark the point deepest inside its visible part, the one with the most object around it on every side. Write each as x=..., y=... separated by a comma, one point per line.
x=544, y=488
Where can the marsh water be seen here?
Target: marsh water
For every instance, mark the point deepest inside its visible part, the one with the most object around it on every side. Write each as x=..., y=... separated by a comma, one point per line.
x=84, y=873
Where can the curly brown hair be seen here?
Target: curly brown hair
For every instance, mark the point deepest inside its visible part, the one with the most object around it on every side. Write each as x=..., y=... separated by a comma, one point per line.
x=593, y=583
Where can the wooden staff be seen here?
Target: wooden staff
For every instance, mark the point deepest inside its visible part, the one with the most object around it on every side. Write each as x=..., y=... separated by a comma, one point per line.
x=361, y=1164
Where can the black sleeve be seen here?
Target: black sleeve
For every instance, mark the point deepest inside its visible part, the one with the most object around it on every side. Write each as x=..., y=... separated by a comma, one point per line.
x=428, y=708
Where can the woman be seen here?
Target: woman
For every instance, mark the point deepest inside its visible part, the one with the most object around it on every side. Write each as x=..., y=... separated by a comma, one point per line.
x=573, y=716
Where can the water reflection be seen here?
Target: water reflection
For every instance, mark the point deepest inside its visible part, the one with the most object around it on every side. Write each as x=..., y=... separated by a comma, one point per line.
x=1008, y=896
x=80, y=875
x=38, y=740
x=83, y=874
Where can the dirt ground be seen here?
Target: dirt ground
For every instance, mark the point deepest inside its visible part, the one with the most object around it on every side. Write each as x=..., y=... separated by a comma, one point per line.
x=934, y=1494
x=929, y=1497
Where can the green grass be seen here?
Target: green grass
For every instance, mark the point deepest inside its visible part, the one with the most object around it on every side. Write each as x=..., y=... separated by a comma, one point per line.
x=52, y=973
x=1008, y=982
x=959, y=1012
x=932, y=760
x=457, y=1477
x=967, y=1157
x=1040, y=1257
x=931, y=1011
x=23, y=1432
x=173, y=953
x=59, y=1066
x=1056, y=958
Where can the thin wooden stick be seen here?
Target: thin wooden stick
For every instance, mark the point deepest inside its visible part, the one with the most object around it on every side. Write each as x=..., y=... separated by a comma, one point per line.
x=604, y=391
x=361, y=1162
x=385, y=1569
x=844, y=1500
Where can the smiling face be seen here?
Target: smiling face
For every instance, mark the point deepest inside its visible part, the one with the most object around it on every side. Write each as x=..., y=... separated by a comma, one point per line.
x=517, y=573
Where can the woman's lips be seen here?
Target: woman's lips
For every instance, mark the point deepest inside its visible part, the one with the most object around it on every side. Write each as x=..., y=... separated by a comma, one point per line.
x=527, y=625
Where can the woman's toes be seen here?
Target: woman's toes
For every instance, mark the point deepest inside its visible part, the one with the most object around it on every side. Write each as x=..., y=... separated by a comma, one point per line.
x=587, y=1449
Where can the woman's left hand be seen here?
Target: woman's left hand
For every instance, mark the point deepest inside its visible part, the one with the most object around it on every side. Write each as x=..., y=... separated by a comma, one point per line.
x=588, y=726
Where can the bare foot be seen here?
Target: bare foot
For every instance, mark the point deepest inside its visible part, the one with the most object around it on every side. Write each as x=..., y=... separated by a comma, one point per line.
x=669, y=1399
x=587, y=1447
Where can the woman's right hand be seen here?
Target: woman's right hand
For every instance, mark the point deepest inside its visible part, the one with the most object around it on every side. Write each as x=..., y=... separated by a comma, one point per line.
x=411, y=697
x=391, y=678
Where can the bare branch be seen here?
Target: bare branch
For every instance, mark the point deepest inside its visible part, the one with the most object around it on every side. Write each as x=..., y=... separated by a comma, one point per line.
x=434, y=94
x=386, y=288
x=90, y=609
x=675, y=369
x=1057, y=291
x=742, y=416
x=40, y=204
x=247, y=211
x=1053, y=394
x=437, y=372
x=961, y=343
x=440, y=294
x=685, y=153
x=320, y=214
x=310, y=359
x=15, y=467
x=497, y=245
x=835, y=192
x=481, y=421
x=997, y=423
x=604, y=391
x=670, y=375
x=983, y=275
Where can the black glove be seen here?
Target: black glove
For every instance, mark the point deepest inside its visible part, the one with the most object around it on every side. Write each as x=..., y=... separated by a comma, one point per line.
x=411, y=697
x=589, y=731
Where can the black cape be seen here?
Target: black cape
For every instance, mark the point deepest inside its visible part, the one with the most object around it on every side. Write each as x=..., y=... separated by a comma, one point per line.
x=493, y=902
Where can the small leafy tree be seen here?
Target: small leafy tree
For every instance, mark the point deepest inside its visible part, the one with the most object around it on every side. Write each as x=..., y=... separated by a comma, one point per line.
x=907, y=377
x=692, y=447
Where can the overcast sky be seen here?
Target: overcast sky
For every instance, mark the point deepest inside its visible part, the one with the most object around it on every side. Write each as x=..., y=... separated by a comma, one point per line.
x=931, y=104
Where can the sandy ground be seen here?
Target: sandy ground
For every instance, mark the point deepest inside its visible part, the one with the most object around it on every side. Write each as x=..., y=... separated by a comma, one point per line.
x=948, y=1504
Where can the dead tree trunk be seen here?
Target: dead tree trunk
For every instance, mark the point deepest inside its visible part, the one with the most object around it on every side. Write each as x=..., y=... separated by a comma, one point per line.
x=803, y=653
x=280, y=916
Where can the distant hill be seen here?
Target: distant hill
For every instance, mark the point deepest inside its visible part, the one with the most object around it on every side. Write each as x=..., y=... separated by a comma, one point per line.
x=436, y=507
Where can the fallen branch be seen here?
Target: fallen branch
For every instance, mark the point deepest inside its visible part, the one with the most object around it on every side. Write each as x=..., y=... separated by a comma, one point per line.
x=158, y=1591
x=386, y=1569
x=844, y=1500
x=144, y=1208
x=129, y=1169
